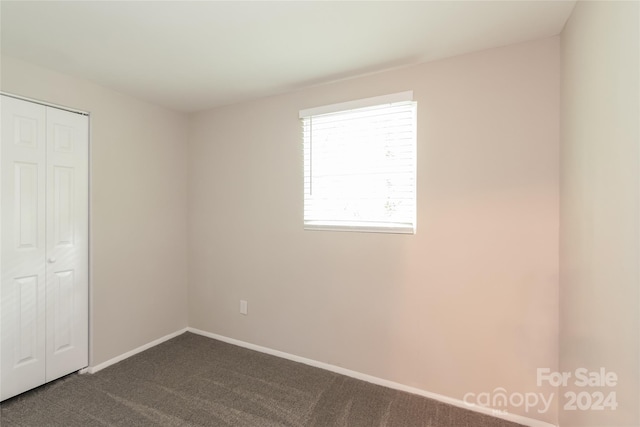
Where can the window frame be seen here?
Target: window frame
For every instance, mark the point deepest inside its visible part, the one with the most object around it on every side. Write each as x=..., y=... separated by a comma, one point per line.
x=395, y=227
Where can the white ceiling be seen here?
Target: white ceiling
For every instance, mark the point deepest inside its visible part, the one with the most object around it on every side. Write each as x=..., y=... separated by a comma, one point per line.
x=194, y=55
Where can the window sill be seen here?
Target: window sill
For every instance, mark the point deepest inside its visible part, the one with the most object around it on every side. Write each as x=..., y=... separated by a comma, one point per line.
x=361, y=228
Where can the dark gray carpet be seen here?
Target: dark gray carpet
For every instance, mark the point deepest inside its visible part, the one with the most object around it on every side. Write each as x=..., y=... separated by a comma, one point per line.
x=196, y=381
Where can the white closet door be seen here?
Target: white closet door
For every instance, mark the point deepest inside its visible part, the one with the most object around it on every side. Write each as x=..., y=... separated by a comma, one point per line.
x=67, y=243
x=44, y=251
x=22, y=292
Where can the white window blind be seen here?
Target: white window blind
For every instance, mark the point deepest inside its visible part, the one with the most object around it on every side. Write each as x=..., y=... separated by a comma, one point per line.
x=360, y=165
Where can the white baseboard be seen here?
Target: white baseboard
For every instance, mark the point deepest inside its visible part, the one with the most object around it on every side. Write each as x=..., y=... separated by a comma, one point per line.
x=99, y=367
x=531, y=422
x=326, y=366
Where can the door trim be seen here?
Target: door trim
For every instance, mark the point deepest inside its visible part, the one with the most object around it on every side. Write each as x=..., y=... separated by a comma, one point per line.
x=46, y=104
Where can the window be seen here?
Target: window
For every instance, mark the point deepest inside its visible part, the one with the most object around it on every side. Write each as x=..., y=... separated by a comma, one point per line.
x=360, y=165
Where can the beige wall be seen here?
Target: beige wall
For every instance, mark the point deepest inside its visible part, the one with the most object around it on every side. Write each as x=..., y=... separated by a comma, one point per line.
x=599, y=323
x=468, y=304
x=138, y=208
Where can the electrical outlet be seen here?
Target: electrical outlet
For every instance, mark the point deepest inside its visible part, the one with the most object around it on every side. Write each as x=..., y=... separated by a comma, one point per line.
x=243, y=307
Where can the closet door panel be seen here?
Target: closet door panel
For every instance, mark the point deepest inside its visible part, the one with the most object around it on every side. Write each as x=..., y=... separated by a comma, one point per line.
x=22, y=288
x=67, y=242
